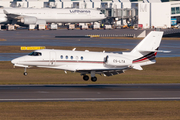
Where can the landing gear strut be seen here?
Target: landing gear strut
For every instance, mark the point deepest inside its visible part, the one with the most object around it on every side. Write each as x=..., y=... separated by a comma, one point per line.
x=93, y=77
x=85, y=78
x=25, y=73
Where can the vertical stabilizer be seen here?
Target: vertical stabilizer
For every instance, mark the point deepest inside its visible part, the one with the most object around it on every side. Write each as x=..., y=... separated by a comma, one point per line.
x=150, y=43
x=144, y=53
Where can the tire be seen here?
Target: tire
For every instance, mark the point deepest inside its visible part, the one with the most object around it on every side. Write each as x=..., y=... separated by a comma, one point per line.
x=25, y=73
x=85, y=78
x=93, y=79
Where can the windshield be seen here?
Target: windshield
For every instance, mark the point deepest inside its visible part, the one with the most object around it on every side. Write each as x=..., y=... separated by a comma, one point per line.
x=35, y=54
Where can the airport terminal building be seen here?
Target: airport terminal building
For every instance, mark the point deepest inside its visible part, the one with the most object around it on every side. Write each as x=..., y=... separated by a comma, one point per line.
x=148, y=13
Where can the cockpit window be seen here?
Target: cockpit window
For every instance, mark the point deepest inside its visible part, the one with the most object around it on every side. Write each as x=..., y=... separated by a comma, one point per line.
x=35, y=54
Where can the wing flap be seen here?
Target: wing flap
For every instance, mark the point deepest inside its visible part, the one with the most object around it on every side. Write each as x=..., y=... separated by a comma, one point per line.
x=111, y=73
x=105, y=72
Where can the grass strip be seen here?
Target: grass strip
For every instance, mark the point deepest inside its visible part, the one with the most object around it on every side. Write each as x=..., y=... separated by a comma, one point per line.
x=93, y=110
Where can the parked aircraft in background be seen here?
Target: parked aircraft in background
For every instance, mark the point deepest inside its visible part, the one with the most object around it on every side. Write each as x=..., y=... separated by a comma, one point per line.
x=86, y=62
x=36, y=16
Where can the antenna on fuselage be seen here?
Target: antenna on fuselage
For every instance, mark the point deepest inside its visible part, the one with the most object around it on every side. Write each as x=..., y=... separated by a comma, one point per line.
x=73, y=49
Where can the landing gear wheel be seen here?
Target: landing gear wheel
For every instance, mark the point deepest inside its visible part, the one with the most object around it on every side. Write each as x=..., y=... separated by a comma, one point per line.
x=85, y=78
x=93, y=79
x=25, y=73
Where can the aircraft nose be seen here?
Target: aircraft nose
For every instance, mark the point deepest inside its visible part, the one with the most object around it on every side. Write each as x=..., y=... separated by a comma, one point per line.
x=14, y=61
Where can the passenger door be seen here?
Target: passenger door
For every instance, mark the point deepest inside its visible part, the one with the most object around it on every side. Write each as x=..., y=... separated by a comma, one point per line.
x=52, y=59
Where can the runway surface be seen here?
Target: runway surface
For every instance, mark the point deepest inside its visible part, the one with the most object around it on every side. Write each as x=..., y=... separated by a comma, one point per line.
x=93, y=92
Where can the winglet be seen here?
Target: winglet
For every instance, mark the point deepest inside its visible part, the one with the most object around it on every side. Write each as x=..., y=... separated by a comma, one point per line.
x=137, y=67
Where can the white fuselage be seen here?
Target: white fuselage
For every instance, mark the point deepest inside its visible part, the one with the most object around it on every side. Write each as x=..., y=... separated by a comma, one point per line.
x=59, y=15
x=72, y=60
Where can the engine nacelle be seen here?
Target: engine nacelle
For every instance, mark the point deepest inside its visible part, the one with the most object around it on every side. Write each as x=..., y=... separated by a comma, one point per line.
x=119, y=60
x=32, y=20
x=29, y=20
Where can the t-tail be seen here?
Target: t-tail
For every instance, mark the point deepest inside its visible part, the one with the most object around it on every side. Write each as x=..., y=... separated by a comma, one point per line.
x=145, y=52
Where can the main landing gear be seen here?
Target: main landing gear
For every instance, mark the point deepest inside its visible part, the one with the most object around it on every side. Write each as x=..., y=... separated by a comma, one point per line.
x=86, y=78
x=93, y=77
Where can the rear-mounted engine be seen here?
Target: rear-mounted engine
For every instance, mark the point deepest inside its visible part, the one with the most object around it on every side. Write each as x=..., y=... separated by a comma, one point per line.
x=113, y=60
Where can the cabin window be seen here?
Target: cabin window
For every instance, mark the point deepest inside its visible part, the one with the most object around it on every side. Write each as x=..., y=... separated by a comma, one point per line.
x=82, y=58
x=35, y=54
x=66, y=57
x=71, y=57
x=61, y=56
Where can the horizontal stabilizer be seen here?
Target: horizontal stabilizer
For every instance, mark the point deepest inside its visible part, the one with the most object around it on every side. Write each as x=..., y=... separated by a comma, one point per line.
x=137, y=67
x=163, y=51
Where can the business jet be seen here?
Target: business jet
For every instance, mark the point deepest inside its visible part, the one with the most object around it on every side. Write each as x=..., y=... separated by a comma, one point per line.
x=86, y=62
x=26, y=16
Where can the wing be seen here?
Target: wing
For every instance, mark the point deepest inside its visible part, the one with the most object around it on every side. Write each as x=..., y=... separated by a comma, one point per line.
x=23, y=19
x=12, y=16
x=106, y=72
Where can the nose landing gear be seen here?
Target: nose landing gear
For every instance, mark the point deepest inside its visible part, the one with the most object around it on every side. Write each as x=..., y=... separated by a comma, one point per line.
x=25, y=73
